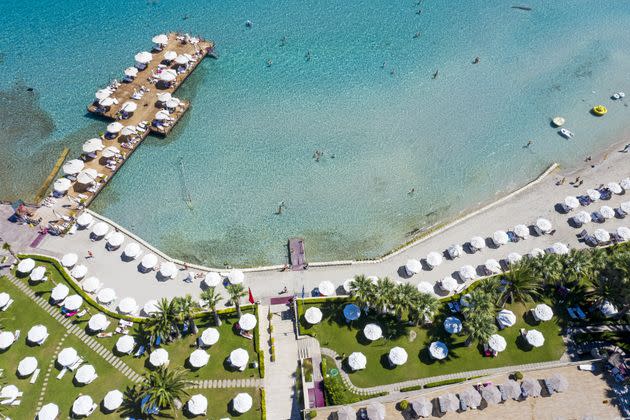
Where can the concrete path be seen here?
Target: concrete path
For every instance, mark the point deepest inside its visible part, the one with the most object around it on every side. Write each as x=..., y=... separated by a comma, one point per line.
x=228, y=383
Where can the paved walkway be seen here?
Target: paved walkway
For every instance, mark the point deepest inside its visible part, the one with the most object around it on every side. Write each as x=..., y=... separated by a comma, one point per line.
x=228, y=383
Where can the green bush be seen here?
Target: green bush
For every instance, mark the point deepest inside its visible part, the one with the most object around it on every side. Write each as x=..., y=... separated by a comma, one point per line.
x=263, y=404
x=269, y=316
x=518, y=375
x=312, y=414
x=445, y=382
x=411, y=388
x=403, y=405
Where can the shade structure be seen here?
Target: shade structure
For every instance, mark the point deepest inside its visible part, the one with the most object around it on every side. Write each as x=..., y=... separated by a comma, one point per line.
x=61, y=185
x=37, y=274
x=594, y=195
x=197, y=405
x=464, y=300
x=582, y=217
x=346, y=413
x=236, y=277
x=448, y=402
x=168, y=269
x=49, y=411
x=87, y=176
x=125, y=344
x=143, y=57
x=510, y=390
x=242, y=403
x=351, y=312
x=544, y=225
x=85, y=219
x=132, y=250
x=413, y=266
x=98, y=322
x=210, y=336
x=79, y=271
x=348, y=285
x=624, y=233
x=491, y=394
x=127, y=305
x=173, y=103
x=100, y=229
x=160, y=39
x=530, y=388
x=438, y=350
x=425, y=287
x=115, y=240
x=453, y=325
x=493, y=266
x=506, y=318
x=107, y=102
x=59, y=292
x=313, y=315
x=497, y=343
x=158, y=357
x=557, y=383
x=198, y=358
x=601, y=235
x=106, y=295
x=559, y=248
x=212, y=279
x=455, y=251
x=85, y=374
x=73, y=302
x=521, y=231
x=239, y=358
x=113, y=399
x=169, y=56
x=376, y=411
x=168, y=75
x=467, y=272
x=83, y=405
x=448, y=284
x=131, y=72
x=73, y=167
x=542, y=312
x=398, y=356
x=162, y=115
x=478, y=243
x=67, y=357
x=93, y=145
x=129, y=106
x=571, y=203
x=247, y=322
x=421, y=406
x=102, y=94
x=470, y=398
x=69, y=260
x=26, y=266
x=625, y=207
x=607, y=212
x=6, y=339
x=357, y=360
x=614, y=187
x=500, y=238
x=149, y=261
x=181, y=59
x=151, y=307
x=129, y=130
x=372, y=332
x=326, y=288
x=434, y=259
x=514, y=258
x=535, y=338
x=114, y=128
x=27, y=366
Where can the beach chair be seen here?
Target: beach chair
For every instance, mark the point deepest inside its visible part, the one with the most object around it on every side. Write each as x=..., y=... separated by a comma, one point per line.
x=17, y=334
x=582, y=235
x=16, y=402
x=62, y=372
x=587, y=367
x=572, y=313
x=5, y=307
x=76, y=364
x=34, y=376
x=580, y=313
x=140, y=352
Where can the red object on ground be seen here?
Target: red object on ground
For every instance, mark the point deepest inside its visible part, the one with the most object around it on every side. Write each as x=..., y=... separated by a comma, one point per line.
x=251, y=296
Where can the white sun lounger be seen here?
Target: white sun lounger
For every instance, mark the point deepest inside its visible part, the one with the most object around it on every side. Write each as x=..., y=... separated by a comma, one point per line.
x=62, y=373
x=34, y=376
x=5, y=307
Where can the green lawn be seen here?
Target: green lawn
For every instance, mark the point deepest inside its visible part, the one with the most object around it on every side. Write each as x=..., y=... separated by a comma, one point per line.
x=219, y=403
x=334, y=333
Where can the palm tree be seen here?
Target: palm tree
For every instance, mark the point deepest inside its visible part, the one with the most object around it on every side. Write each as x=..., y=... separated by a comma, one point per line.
x=479, y=302
x=363, y=291
x=521, y=286
x=401, y=300
x=163, y=386
x=548, y=266
x=212, y=299
x=385, y=289
x=423, y=306
x=162, y=322
x=479, y=326
x=186, y=309
x=236, y=292
x=578, y=267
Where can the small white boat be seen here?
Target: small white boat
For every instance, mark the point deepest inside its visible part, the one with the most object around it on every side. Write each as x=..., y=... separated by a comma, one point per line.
x=558, y=121
x=616, y=96
x=621, y=94
x=567, y=134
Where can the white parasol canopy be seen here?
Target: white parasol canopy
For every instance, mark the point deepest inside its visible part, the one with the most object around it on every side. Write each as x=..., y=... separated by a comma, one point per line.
x=348, y=285
x=149, y=261
x=582, y=217
x=491, y=394
x=607, y=212
x=375, y=411
x=109, y=101
x=131, y=72
x=181, y=59
x=26, y=265
x=544, y=225
x=594, y=195
x=530, y=387
x=542, y=312
x=168, y=269
x=236, y=277
x=357, y=360
x=467, y=272
x=625, y=207
x=127, y=305
x=160, y=39
x=125, y=344
x=470, y=398
x=438, y=350
x=398, y=356
x=198, y=358
x=514, y=257
x=425, y=287
x=521, y=231
x=158, y=357
x=448, y=402
x=79, y=271
x=93, y=145
x=102, y=93
x=4, y=299
x=434, y=259
x=98, y=322
x=212, y=279
x=571, y=203
x=82, y=406
x=168, y=75
x=614, y=187
x=247, y=322
x=114, y=127
x=73, y=166
x=608, y=309
x=115, y=240
x=506, y=318
x=59, y=292
x=601, y=235
x=493, y=266
x=90, y=284
x=455, y=251
x=69, y=260
x=85, y=219
x=170, y=56
x=421, y=406
x=535, y=338
x=27, y=366
x=313, y=315
x=73, y=302
x=210, y=336
x=242, y=403
x=106, y=295
x=87, y=176
x=624, y=233
x=197, y=405
x=151, y=307
x=372, y=332
x=129, y=130
x=497, y=343
x=113, y=399
x=100, y=229
x=164, y=96
x=129, y=106
x=173, y=103
x=85, y=374
x=326, y=288
x=557, y=383
x=67, y=357
x=49, y=411
x=144, y=57
x=61, y=185
x=412, y=267
x=448, y=284
x=500, y=238
x=453, y=325
x=478, y=243
x=239, y=358
x=625, y=183
x=559, y=248
x=132, y=250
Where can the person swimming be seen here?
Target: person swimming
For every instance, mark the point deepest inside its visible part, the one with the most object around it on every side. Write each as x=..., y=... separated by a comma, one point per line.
x=435, y=75
x=476, y=60
x=249, y=23
x=416, y=35
x=269, y=62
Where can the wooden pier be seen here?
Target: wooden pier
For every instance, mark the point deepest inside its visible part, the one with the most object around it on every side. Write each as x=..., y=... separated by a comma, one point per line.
x=297, y=256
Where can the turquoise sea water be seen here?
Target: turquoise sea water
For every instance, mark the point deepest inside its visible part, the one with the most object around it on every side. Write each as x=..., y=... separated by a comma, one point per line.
x=366, y=97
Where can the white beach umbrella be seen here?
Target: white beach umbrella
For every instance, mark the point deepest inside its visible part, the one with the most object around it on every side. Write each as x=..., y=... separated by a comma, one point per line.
x=27, y=366
x=102, y=94
x=85, y=374
x=594, y=195
x=247, y=322
x=454, y=251
x=100, y=229
x=470, y=398
x=535, y=338
x=168, y=269
x=37, y=334
x=582, y=217
x=61, y=185
x=425, y=287
x=607, y=212
x=557, y=383
x=542, y=312
x=26, y=266
x=434, y=259
x=106, y=102
x=625, y=207
x=625, y=183
x=601, y=235
x=357, y=360
x=438, y=350
x=239, y=358
x=530, y=388
x=82, y=406
x=59, y=292
x=151, y=307
x=67, y=357
x=560, y=248
x=160, y=39
x=69, y=260
x=181, y=59
x=544, y=225
x=149, y=261
x=398, y=356
x=506, y=318
x=113, y=399
x=90, y=284
x=571, y=203
x=493, y=266
x=348, y=285
x=132, y=250
x=98, y=322
x=478, y=242
x=49, y=411
x=326, y=288
x=87, y=176
x=125, y=344
x=144, y=57
x=115, y=240
x=453, y=325
x=73, y=302
x=168, y=75
x=131, y=72
x=4, y=299
x=500, y=238
x=158, y=357
x=129, y=106
x=497, y=343
x=412, y=267
x=198, y=358
x=73, y=167
x=421, y=406
x=536, y=252
x=78, y=271
x=448, y=284
x=10, y=391
x=448, y=402
x=170, y=56
x=106, y=295
x=127, y=305
x=236, y=277
x=242, y=403
x=373, y=279
x=172, y=103
x=467, y=272
x=114, y=128
x=375, y=411
x=212, y=279
x=210, y=336
x=313, y=315
x=372, y=332
x=93, y=145
x=510, y=390
x=521, y=231
x=614, y=187
x=491, y=394
x=85, y=219
x=514, y=257
x=624, y=233
x=129, y=130
x=197, y=405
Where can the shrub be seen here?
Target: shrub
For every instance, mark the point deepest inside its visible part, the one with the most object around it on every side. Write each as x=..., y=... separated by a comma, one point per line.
x=403, y=405
x=518, y=375
x=445, y=382
x=270, y=328
x=411, y=388
x=312, y=414
x=263, y=404
x=269, y=316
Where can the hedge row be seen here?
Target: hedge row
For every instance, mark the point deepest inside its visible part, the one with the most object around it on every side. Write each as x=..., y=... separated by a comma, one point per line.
x=263, y=405
x=258, y=346
x=411, y=388
x=445, y=382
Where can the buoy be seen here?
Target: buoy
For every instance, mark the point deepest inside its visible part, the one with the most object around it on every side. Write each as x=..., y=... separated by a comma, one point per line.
x=599, y=110
x=558, y=121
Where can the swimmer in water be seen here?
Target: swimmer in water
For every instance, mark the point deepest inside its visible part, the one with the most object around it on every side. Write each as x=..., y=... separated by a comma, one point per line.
x=269, y=62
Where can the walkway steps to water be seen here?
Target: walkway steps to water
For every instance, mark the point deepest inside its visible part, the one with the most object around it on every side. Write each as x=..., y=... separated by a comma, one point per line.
x=296, y=254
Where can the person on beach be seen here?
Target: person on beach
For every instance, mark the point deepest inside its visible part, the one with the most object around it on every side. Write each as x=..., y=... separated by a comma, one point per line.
x=89, y=255
x=626, y=148
x=411, y=191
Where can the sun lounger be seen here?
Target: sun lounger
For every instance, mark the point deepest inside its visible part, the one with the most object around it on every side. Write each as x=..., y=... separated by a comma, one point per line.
x=587, y=367
x=140, y=351
x=62, y=373
x=246, y=334
x=16, y=334
x=104, y=334
x=16, y=402
x=125, y=323
x=572, y=313
x=5, y=307
x=34, y=376
x=76, y=364
x=580, y=313
x=582, y=235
